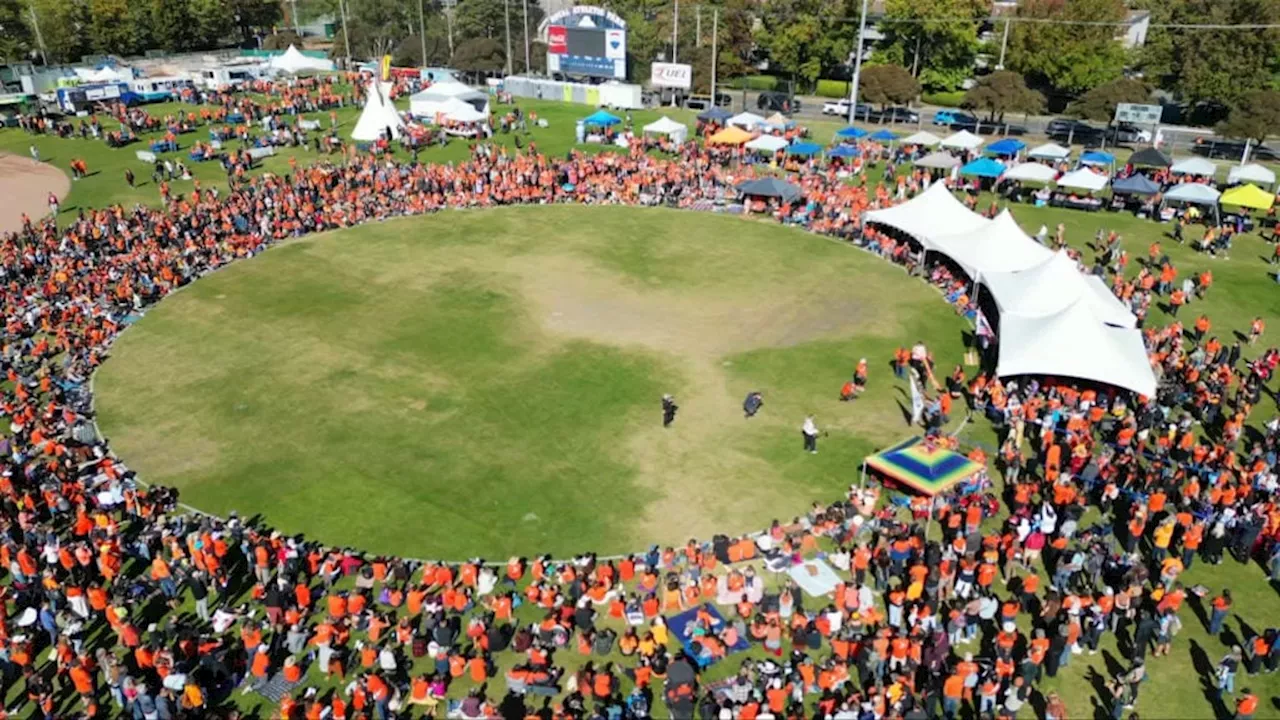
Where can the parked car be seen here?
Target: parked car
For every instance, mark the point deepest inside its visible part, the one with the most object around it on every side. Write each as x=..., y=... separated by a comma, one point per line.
x=775, y=101
x=703, y=102
x=945, y=118
x=836, y=107
x=1075, y=130
x=1127, y=133
x=899, y=115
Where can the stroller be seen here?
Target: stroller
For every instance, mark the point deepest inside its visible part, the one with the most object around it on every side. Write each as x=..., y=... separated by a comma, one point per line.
x=752, y=404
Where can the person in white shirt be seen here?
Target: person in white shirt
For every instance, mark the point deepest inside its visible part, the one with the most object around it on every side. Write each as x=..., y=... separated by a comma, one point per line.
x=810, y=431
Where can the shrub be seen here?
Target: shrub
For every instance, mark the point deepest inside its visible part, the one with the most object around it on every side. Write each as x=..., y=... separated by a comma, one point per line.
x=756, y=82
x=833, y=88
x=944, y=99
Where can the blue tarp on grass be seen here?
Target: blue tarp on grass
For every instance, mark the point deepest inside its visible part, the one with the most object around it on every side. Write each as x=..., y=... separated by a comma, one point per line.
x=679, y=624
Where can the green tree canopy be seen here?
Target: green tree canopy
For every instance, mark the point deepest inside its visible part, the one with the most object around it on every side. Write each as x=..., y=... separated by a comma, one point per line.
x=480, y=55
x=1003, y=91
x=887, y=85
x=62, y=27
x=926, y=36
x=1255, y=116
x=1099, y=103
x=15, y=39
x=1068, y=59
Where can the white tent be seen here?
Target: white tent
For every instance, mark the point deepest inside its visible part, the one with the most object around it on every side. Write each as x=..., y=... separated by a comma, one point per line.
x=293, y=61
x=780, y=121
x=996, y=246
x=932, y=213
x=1049, y=151
x=1048, y=288
x=747, y=121
x=1083, y=179
x=767, y=144
x=463, y=112
x=104, y=75
x=435, y=100
x=1074, y=343
x=963, y=140
x=666, y=126
x=923, y=138
x=938, y=161
x=1193, y=193
x=378, y=115
x=1194, y=166
x=1031, y=172
x=1253, y=172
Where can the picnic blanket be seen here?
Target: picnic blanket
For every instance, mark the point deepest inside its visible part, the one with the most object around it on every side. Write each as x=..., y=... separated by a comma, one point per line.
x=681, y=627
x=276, y=688
x=815, y=577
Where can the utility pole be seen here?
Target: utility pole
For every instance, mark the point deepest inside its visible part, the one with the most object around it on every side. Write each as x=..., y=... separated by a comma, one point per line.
x=697, y=26
x=506, y=17
x=293, y=12
x=35, y=25
x=715, y=24
x=422, y=29
x=528, y=62
x=448, y=23
x=346, y=39
x=857, y=63
x=1004, y=44
x=675, y=34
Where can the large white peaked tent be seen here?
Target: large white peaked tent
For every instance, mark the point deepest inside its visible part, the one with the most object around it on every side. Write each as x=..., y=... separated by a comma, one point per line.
x=378, y=115
x=293, y=61
x=1052, y=286
x=435, y=100
x=932, y=213
x=1074, y=343
x=997, y=246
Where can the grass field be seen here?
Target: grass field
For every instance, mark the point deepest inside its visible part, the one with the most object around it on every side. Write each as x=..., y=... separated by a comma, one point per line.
x=472, y=380
x=475, y=383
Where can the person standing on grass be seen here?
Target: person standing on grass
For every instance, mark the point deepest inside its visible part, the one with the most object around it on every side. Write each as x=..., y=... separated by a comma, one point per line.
x=128, y=176
x=810, y=432
x=669, y=409
x=1218, y=614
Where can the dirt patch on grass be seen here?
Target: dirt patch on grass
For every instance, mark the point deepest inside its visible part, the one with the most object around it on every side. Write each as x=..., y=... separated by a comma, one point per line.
x=25, y=186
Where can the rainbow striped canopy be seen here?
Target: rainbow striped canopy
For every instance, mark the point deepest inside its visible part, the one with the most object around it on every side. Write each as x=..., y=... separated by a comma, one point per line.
x=929, y=470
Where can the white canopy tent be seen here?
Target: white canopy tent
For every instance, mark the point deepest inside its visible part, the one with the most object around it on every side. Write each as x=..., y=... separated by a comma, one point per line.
x=666, y=126
x=767, y=144
x=104, y=74
x=293, y=61
x=1075, y=343
x=1193, y=194
x=747, y=120
x=378, y=116
x=464, y=112
x=1049, y=151
x=1194, y=166
x=938, y=161
x=1083, y=179
x=924, y=138
x=434, y=100
x=932, y=213
x=1031, y=172
x=963, y=140
x=1051, y=286
x=1254, y=173
x=998, y=245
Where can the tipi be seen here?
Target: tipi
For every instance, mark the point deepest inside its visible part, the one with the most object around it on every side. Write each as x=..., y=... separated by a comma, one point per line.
x=378, y=115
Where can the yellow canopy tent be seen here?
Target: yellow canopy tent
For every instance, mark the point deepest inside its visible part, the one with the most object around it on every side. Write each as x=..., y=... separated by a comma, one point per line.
x=1250, y=196
x=730, y=136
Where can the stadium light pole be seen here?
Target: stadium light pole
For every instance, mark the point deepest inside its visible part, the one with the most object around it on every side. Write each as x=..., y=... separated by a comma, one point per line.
x=715, y=24
x=35, y=25
x=528, y=62
x=675, y=34
x=506, y=16
x=346, y=39
x=857, y=63
x=422, y=30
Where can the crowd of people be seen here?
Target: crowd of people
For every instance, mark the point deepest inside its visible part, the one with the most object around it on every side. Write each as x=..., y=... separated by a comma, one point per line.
x=118, y=601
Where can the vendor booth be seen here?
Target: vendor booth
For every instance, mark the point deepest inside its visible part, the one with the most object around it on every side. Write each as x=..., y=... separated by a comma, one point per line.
x=666, y=126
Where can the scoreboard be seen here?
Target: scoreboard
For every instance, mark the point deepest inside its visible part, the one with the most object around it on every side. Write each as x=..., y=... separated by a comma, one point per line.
x=586, y=41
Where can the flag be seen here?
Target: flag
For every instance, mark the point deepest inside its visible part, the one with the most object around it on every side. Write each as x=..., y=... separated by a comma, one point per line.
x=917, y=400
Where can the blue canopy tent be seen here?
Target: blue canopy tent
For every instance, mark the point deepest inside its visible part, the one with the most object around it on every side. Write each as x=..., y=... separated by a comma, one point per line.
x=1135, y=185
x=770, y=187
x=601, y=118
x=843, y=151
x=1097, y=157
x=983, y=167
x=851, y=133
x=715, y=115
x=1006, y=147
x=884, y=136
x=804, y=148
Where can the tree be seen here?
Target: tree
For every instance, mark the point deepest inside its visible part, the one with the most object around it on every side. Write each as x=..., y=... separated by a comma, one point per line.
x=281, y=40
x=887, y=85
x=799, y=36
x=929, y=37
x=15, y=39
x=1100, y=102
x=1212, y=70
x=110, y=31
x=62, y=27
x=172, y=24
x=211, y=22
x=1254, y=117
x=1068, y=58
x=1003, y=91
x=480, y=55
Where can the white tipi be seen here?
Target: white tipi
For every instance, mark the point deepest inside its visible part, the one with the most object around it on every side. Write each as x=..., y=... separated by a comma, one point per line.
x=378, y=115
